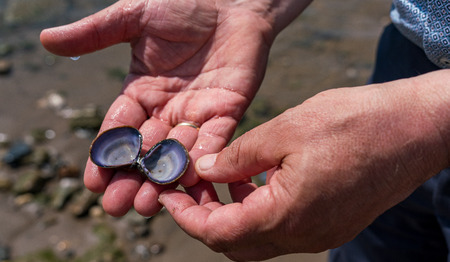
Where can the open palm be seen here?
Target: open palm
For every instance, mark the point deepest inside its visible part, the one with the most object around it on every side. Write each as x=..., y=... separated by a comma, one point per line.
x=191, y=62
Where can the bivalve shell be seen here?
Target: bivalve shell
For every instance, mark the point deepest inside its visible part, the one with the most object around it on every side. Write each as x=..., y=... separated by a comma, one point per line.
x=120, y=147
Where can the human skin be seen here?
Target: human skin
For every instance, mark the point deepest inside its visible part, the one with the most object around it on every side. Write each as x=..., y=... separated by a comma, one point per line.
x=334, y=163
x=199, y=62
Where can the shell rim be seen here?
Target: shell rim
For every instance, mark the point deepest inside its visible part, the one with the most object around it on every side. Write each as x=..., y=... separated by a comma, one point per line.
x=118, y=166
x=179, y=175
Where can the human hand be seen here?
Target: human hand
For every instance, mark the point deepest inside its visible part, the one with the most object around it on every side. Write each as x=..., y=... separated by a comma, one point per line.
x=335, y=163
x=192, y=61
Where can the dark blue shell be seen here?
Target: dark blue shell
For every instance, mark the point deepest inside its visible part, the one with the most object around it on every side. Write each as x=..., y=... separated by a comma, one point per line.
x=116, y=147
x=164, y=163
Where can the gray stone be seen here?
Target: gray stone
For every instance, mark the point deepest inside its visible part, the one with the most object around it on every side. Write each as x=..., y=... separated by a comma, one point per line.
x=69, y=171
x=67, y=187
x=5, y=253
x=82, y=203
x=6, y=49
x=29, y=182
x=5, y=183
x=16, y=153
x=156, y=249
x=5, y=67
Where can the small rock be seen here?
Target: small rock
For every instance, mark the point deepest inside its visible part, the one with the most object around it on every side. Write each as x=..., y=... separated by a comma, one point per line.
x=142, y=251
x=5, y=184
x=6, y=49
x=48, y=221
x=89, y=118
x=69, y=171
x=96, y=212
x=32, y=208
x=53, y=100
x=137, y=224
x=29, y=182
x=38, y=158
x=16, y=153
x=5, y=67
x=66, y=188
x=4, y=140
x=22, y=200
x=5, y=253
x=82, y=203
x=42, y=134
x=156, y=249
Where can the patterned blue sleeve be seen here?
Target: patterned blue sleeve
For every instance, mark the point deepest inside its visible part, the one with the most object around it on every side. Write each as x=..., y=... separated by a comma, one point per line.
x=427, y=24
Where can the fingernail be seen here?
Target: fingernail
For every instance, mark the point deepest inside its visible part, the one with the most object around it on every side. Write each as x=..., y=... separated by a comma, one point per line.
x=206, y=162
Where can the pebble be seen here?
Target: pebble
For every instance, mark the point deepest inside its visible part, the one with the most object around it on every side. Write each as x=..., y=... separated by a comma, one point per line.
x=156, y=249
x=23, y=199
x=39, y=157
x=67, y=187
x=82, y=203
x=96, y=212
x=5, y=67
x=142, y=251
x=6, y=49
x=5, y=253
x=53, y=100
x=89, y=118
x=16, y=153
x=5, y=184
x=137, y=225
x=69, y=171
x=4, y=139
x=29, y=182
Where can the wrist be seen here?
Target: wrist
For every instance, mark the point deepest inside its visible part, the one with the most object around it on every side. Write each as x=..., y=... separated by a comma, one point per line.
x=423, y=106
x=277, y=14
x=434, y=90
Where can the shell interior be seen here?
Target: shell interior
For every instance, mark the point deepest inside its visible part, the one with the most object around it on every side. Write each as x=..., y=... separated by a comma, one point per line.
x=165, y=162
x=116, y=147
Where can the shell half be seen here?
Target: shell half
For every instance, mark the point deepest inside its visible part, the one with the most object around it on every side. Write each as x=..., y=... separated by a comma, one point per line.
x=166, y=162
x=117, y=147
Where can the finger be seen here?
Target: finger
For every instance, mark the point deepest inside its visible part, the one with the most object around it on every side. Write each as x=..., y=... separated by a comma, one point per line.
x=213, y=135
x=153, y=130
x=257, y=253
x=121, y=191
x=115, y=24
x=241, y=189
x=203, y=192
x=270, y=173
x=223, y=228
x=146, y=200
x=187, y=135
x=185, y=211
x=124, y=111
x=97, y=179
x=251, y=154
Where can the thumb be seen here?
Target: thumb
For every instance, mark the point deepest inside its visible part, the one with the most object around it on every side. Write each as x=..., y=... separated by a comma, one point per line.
x=247, y=156
x=115, y=24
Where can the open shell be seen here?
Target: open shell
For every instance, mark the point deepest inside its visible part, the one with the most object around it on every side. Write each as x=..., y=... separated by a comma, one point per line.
x=120, y=147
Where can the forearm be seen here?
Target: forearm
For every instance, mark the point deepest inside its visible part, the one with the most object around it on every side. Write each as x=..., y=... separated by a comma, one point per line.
x=422, y=123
